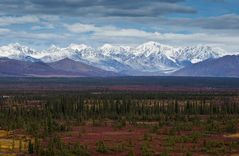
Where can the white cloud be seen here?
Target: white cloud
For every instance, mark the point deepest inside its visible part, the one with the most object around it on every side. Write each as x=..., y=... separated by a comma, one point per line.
x=39, y=36
x=44, y=27
x=94, y=35
x=49, y=18
x=83, y=28
x=9, y=20
x=4, y=31
x=23, y=35
x=113, y=34
x=107, y=31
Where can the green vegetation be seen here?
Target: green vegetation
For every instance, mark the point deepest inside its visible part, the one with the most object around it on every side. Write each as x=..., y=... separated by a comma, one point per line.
x=101, y=147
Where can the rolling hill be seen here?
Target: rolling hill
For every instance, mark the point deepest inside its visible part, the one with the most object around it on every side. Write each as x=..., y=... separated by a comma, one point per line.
x=227, y=66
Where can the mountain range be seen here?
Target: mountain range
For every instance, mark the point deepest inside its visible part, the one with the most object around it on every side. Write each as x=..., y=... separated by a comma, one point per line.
x=151, y=58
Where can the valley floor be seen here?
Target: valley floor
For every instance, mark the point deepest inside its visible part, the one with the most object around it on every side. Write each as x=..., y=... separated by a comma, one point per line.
x=124, y=116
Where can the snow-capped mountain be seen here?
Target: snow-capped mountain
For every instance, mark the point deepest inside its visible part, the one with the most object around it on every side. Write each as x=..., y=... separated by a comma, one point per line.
x=153, y=57
x=151, y=47
x=197, y=53
x=120, y=53
x=73, y=51
x=150, y=57
x=18, y=52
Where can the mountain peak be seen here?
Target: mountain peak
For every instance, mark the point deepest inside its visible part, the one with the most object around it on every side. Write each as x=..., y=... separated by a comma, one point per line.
x=16, y=50
x=53, y=46
x=106, y=46
x=154, y=44
x=78, y=47
x=113, y=50
x=15, y=44
x=152, y=47
x=66, y=60
x=197, y=53
x=149, y=44
x=18, y=46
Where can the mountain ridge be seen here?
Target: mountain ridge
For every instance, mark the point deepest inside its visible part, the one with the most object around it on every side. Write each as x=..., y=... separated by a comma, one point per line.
x=226, y=66
x=16, y=68
x=69, y=65
x=150, y=57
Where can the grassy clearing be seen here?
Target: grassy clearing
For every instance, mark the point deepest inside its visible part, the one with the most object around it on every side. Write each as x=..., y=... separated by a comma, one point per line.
x=236, y=135
x=11, y=144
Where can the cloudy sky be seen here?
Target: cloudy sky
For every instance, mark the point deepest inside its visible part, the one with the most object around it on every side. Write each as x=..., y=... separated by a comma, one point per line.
x=41, y=23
